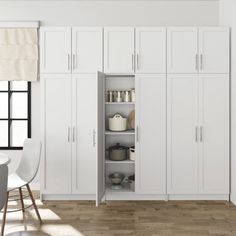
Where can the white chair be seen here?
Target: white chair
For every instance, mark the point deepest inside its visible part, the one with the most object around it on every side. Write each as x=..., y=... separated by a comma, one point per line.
x=24, y=174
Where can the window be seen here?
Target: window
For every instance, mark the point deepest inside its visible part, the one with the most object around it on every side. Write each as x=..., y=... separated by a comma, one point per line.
x=15, y=117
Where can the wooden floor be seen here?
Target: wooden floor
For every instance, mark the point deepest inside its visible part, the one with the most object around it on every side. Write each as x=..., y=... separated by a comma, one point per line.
x=141, y=218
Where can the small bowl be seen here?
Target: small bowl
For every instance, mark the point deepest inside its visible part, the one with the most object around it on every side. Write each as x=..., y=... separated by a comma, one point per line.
x=116, y=178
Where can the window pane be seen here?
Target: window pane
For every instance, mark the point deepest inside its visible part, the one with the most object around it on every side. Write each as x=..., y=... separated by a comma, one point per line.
x=4, y=85
x=4, y=133
x=18, y=133
x=19, y=105
x=19, y=85
x=3, y=106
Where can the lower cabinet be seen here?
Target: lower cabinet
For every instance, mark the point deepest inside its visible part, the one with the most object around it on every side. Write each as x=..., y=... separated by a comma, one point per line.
x=198, y=134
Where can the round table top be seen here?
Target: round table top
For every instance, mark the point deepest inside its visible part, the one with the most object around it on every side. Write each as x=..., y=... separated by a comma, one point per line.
x=4, y=159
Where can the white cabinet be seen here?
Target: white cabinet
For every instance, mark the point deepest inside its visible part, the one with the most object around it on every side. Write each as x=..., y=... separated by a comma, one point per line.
x=214, y=50
x=66, y=50
x=87, y=49
x=198, y=134
x=182, y=121
x=214, y=133
x=197, y=50
x=150, y=50
x=57, y=135
x=55, y=50
x=150, y=134
x=182, y=50
x=119, y=50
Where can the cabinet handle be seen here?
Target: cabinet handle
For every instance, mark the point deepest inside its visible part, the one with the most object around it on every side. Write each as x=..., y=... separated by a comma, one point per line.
x=201, y=58
x=68, y=61
x=73, y=134
x=137, y=134
x=196, y=134
x=201, y=135
x=197, y=62
x=73, y=61
x=68, y=138
x=94, y=138
x=137, y=61
x=132, y=61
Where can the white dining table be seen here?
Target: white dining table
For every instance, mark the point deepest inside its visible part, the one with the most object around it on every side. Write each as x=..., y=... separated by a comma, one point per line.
x=4, y=159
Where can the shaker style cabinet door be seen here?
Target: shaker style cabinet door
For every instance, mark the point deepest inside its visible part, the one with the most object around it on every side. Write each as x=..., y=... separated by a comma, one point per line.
x=182, y=134
x=55, y=50
x=57, y=143
x=150, y=163
x=214, y=50
x=214, y=133
x=119, y=50
x=87, y=49
x=84, y=123
x=182, y=50
x=150, y=50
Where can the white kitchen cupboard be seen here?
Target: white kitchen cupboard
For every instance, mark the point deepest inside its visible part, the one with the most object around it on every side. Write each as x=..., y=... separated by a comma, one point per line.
x=71, y=50
x=119, y=50
x=198, y=135
x=70, y=135
x=214, y=50
x=55, y=50
x=197, y=50
x=150, y=50
x=150, y=143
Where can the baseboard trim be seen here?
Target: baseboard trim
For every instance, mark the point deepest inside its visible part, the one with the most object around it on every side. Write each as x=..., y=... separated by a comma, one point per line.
x=197, y=197
x=65, y=197
x=233, y=199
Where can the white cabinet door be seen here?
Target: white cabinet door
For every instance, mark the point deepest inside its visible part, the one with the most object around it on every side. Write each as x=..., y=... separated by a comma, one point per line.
x=55, y=50
x=150, y=165
x=57, y=139
x=182, y=50
x=214, y=140
x=119, y=50
x=150, y=50
x=84, y=123
x=99, y=138
x=87, y=49
x=182, y=145
x=214, y=50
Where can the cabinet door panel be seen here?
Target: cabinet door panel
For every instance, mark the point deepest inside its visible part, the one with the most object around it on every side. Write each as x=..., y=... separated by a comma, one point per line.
x=55, y=50
x=84, y=123
x=182, y=147
x=150, y=144
x=150, y=50
x=214, y=145
x=119, y=50
x=182, y=50
x=214, y=50
x=57, y=160
x=87, y=51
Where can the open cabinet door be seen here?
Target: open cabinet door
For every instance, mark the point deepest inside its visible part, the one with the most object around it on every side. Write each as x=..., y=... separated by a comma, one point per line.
x=100, y=152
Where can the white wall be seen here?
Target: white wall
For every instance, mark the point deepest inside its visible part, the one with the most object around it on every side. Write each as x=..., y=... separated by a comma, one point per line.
x=227, y=17
x=105, y=13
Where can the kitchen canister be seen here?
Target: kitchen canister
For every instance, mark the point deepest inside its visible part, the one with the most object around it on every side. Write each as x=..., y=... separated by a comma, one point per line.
x=132, y=95
x=118, y=96
x=132, y=153
x=126, y=96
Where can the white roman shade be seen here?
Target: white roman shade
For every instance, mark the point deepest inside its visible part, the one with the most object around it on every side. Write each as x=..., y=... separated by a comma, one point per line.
x=18, y=54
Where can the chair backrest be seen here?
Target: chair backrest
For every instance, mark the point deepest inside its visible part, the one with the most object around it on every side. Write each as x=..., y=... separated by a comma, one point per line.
x=3, y=185
x=29, y=163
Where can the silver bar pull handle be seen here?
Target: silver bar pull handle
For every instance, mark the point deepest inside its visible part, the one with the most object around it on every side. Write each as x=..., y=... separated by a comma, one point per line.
x=94, y=138
x=137, y=61
x=197, y=62
x=196, y=134
x=73, y=61
x=132, y=61
x=201, y=134
x=137, y=134
x=201, y=58
x=68, y=138
x=68, y=61
x=73, y=134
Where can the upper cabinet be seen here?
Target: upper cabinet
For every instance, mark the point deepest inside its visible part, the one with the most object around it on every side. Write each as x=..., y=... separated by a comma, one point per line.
x=214, y=50
x=198, y=50
x=65, y=50
x=55, y=50
x=87, y=50
x=182, y=50
x=150, y=50
x=119, y=50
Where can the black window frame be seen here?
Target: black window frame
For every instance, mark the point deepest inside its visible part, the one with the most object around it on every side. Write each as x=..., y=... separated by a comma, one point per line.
x=9, y=119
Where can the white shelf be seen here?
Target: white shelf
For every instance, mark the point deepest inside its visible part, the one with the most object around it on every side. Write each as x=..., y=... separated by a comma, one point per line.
x=120, y=162
x=120, y=103
x=127, y=132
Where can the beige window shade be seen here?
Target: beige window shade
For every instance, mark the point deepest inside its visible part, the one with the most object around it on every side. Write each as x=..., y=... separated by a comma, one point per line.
x=18, y=54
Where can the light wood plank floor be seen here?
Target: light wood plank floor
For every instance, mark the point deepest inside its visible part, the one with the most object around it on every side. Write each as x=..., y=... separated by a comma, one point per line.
x=141, y=218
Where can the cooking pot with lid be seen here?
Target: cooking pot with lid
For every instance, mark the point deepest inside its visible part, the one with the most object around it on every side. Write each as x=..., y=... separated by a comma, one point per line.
x=118, y=152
